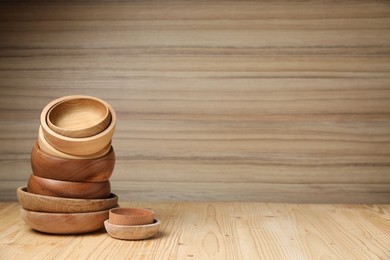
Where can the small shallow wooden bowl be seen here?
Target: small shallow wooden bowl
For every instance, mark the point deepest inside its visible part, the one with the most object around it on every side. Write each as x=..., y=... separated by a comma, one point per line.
x=131, y=216
x=79, y=117
x=87, y=170
x=64, y=223
x=73, y=145
x=48, y=149
x=137, y=232
x=68, y=189
x=35, y=202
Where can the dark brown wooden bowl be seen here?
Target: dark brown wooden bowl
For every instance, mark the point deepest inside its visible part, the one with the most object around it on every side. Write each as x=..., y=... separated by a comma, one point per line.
x=78, y=170
x=68, y=189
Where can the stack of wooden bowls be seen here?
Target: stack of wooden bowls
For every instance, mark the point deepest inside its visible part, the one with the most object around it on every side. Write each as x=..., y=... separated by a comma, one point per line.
x=69, y=190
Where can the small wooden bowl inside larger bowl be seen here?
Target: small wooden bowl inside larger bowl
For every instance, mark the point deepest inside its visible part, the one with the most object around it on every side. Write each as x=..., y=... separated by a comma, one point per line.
x=64, y=223
x=87, y=170
x=137, y=232
x=48, y=149
x=79, y=117
x=68, y=189
x=74, y=145
x=35, y=202
x=131, y=216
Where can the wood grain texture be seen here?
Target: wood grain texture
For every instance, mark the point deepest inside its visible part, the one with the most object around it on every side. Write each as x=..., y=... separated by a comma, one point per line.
x=64, y=223
x=35, y=202
x=83, y=170
x=250, y=101
x=68, y=189
x=135, y=232
x=82, y=117
x=220, y=231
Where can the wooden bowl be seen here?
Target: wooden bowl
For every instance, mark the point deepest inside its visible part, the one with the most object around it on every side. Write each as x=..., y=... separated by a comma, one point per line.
x=87, y=170
x=48, y=149
x=73, y=145
x=79, y=117
x=131, y=216
x=64, y=223
x=68, y=189
x=35, y=202
x=137, y=232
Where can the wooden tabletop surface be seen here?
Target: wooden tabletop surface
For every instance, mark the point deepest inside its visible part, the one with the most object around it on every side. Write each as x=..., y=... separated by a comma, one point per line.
x=212, y=230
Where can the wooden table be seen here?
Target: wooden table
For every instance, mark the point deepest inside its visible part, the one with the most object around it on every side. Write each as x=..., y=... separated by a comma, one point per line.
x=215, y=230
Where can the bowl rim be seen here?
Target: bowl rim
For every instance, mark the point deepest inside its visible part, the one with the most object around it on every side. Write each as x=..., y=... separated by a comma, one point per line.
x=60, y=130
x=62, y=214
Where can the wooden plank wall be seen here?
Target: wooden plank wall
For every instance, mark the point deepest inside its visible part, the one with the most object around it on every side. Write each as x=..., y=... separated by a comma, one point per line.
x=238, y=101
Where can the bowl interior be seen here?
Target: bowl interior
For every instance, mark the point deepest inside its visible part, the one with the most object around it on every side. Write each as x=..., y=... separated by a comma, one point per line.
x=131, y=216
x=78, y=114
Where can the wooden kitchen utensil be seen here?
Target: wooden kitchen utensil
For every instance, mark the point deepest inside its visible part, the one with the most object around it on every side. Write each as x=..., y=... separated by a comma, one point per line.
x=64, y=223
x=86, y=170
x=137, y=232
x=73, y=145
x=36, y=202
x=68, y=189
x=48, y=149
x=131, y=216
x=79, y=117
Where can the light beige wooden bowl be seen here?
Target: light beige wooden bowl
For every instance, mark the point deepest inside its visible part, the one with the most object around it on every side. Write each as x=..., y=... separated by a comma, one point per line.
x=77, y=146
x=36, y=202
x=79, y=117
x=137, y=232
x=64, y=223
x=48, y=149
